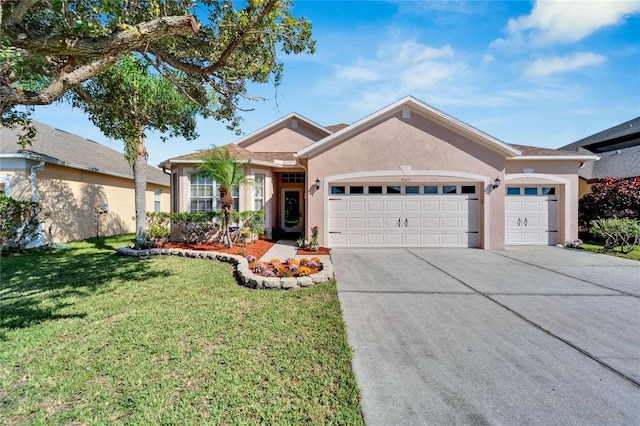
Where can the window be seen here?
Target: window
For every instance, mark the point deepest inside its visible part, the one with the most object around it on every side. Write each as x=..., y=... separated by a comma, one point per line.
x=548, y=191
x=201, y=194
x=338, y=190
x=258, y=191
x=530, y=191
x=449, y=189
x=430, y=189
x=413, y=189
x=468, y=189
x=393, y=189
x=157, y=199
x=292, y=177
x=375, y=190
x=513, y=190
x=356, y=190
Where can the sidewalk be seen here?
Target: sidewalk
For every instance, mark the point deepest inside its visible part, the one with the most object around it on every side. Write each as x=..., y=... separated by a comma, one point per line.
x=285, y=249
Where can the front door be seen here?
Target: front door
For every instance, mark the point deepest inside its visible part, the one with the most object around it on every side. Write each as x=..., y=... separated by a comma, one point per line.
x=291, y=210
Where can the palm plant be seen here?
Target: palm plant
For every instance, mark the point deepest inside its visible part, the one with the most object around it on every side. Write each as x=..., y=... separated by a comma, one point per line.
x=219, y=165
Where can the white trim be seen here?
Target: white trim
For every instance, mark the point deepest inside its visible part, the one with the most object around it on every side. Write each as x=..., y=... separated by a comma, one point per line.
x=424, y=109
x=444, y=173
x=567, y=195
x=556, y=157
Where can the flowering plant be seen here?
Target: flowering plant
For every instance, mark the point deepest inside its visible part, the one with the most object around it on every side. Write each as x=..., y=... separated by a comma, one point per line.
x=314, y=235
x=260, y=268
x=251, y=258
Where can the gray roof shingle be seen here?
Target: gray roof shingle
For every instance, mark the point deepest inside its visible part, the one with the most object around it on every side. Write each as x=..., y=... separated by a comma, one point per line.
x=59, y=146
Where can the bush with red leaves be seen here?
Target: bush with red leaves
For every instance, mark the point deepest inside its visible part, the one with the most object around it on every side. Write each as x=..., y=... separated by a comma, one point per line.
x=610, y=198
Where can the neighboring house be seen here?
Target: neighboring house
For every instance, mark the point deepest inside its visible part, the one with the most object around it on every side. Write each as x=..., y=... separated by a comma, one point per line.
x=619, y=150
x=407, y=175
x=85, y=188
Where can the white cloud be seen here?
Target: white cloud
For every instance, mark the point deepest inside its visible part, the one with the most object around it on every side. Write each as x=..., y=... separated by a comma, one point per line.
x=558, y=64
x=566, y=21
x=395, y=70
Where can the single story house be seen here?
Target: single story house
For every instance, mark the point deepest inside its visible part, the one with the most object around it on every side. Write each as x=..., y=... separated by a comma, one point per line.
x=85, y=188
x=407, y=175
x=619, y=150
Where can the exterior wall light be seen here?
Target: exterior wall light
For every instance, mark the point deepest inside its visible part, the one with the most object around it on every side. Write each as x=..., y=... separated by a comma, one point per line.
x=317, y=184
x=496, y=183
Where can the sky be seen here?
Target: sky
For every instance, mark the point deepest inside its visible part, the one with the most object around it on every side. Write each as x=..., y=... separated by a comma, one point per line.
x=541, y=73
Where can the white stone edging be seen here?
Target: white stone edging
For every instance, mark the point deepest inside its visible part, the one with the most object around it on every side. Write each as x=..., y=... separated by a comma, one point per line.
x=244, y=275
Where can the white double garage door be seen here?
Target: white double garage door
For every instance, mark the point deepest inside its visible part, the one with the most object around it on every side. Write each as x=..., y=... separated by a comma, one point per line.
x=404, y=216
x=435, y=216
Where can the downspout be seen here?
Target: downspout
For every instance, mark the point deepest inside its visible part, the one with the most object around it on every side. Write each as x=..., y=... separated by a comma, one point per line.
x=39, y=240
x=32, y=175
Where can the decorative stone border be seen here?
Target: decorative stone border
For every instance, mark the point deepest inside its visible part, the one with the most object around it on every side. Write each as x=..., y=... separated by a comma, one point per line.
x=243, y=274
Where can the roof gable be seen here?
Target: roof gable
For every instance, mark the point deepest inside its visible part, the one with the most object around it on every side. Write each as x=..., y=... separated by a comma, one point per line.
x=264, y=139
x=410, y=105
x=59, y=147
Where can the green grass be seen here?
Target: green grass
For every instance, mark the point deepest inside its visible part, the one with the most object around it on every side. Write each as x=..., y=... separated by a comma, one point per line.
x=88, y=337
x=598, y=248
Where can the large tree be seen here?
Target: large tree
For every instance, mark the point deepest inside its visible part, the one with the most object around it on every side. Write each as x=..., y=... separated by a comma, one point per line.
x=126, y=100
x=48, y=47
x=226, y=171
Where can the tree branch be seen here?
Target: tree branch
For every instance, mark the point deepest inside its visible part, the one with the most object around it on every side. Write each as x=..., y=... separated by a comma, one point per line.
x=127, y=40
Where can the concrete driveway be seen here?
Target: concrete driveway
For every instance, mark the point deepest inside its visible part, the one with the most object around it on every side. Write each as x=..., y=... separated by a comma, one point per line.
x=530, y=336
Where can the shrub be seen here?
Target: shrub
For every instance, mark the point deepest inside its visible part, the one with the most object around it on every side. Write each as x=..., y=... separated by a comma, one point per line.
x=610, y=198
x=19, y=222
x=618, y=232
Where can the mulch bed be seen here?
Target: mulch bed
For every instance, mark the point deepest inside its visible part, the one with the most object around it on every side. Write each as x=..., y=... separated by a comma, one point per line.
x=320, y=251
x=257, y=248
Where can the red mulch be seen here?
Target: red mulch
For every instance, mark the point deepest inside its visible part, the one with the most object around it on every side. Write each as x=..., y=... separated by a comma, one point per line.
x=320, y=251
x=257, y=248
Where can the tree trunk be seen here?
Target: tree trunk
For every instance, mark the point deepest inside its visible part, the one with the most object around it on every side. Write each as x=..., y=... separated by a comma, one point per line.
x=140, y=188
x=226, y=201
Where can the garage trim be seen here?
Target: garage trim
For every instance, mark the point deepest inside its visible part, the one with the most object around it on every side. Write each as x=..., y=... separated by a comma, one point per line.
x=566, y=201
x=405, y=171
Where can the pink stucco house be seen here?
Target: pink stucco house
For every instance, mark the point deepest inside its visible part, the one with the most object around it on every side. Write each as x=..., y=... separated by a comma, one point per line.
x=407, y=175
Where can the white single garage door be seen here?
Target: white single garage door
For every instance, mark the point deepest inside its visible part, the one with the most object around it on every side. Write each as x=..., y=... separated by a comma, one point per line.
x=531, y=215
x=404, y=216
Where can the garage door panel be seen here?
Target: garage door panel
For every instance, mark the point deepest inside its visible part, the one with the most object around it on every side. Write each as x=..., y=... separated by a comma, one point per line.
x=375, y=206
x=393, y=206
x=426, y=220
x=531, y=220
x=338, y=223
x=337, y=206
x=357, y=223
x=357, y=206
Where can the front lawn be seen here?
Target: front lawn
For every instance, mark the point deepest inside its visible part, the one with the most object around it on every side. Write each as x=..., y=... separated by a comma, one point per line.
x=598, y=248
x=90, y=337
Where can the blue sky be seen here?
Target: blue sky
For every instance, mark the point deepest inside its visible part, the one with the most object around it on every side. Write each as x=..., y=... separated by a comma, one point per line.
x=532, y=73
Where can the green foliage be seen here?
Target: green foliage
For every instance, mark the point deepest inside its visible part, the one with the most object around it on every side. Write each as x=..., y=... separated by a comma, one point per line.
x=19, y=222
x=617, y=232
x=48, y=48
x=221, y=166
x=158, y=227
x=610, y=198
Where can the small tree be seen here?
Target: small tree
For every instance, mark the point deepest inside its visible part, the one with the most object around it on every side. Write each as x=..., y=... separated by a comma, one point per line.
x=19, y=222
x=125, y=101
x=225, y=170
x=610, y=198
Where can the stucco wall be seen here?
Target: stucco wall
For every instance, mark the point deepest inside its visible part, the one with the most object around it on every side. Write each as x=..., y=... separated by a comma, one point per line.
x=284, y=138
x=433, y=153
x=70, y=197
